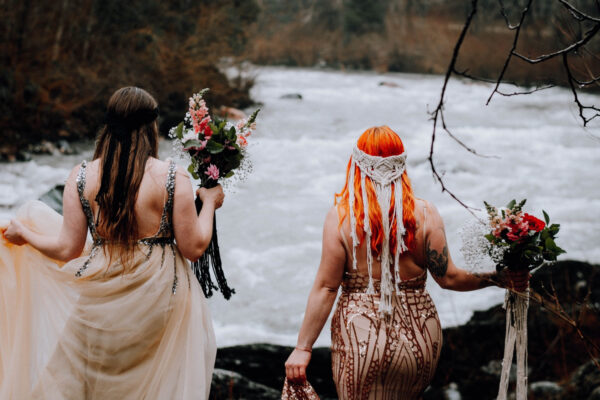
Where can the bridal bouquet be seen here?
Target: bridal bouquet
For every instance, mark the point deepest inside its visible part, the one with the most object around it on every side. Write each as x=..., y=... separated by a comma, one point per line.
x=216, y=147
x=519, y=240
x=216, y=150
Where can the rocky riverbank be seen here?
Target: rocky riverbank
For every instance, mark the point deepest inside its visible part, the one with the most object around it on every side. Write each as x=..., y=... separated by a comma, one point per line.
x=560, y=365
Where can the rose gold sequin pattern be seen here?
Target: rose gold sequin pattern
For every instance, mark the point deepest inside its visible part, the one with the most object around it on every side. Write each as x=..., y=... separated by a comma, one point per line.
x=298, y=391
x=384, y=358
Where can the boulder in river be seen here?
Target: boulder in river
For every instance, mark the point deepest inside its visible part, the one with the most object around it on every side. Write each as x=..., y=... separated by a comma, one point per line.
x=292, y=96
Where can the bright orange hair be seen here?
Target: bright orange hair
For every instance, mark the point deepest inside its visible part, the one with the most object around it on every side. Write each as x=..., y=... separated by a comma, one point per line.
x=378, y=141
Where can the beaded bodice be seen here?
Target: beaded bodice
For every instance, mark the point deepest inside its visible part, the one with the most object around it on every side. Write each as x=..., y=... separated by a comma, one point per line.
x=163, y=237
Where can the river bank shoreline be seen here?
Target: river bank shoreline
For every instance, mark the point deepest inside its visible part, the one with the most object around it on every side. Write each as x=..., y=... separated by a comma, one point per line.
x=560, y=366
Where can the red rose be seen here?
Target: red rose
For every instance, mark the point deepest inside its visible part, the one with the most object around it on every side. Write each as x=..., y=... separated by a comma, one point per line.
x=534, y=223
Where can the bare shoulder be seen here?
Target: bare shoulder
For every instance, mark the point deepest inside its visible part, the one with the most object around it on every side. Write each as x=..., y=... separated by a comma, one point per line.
x=432, y=214
x=331, y=220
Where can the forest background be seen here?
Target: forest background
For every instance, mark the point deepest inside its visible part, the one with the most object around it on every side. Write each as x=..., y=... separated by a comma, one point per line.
x=61, y=60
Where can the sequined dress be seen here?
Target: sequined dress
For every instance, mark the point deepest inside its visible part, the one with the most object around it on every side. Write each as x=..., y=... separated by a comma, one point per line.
x=378, y=358
x=146, y=334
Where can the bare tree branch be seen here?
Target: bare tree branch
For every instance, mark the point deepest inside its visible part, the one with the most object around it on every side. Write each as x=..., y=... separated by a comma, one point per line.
x=569, y=49
x=581, y=107
x=437, y=114
x=536, y=89
x=580, y=15
x=517, y=30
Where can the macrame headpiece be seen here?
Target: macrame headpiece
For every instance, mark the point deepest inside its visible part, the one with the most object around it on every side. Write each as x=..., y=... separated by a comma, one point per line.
x=383, y=171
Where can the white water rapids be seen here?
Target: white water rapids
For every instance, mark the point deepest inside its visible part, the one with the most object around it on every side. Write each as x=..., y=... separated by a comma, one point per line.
x=270, y=227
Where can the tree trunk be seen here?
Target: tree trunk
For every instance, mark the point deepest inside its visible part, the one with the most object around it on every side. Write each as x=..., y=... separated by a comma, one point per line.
x=88, y=31
x=59, y=31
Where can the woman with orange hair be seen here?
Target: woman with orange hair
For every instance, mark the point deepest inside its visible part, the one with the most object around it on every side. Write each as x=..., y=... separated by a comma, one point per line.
x=378, y=242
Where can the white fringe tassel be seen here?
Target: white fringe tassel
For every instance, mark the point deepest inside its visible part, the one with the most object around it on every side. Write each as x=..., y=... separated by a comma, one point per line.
x=516, y=336
x=383, y=171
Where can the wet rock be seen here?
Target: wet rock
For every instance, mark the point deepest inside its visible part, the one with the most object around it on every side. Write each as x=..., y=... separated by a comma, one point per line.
x=21, y=156
x=545, y=390
x=452, y=393
x=53, y=198
x=389, y=84
x=231, y=385
x=595, y=395
x=64, y=147
x=231, y=113
x=584, y=383
x=292, y=96
x=44, y=147
x=472, y=352
x=264, y=364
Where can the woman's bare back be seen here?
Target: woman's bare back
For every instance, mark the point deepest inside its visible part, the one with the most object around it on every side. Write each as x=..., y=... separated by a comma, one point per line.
x=151, y=196
x=412, y=263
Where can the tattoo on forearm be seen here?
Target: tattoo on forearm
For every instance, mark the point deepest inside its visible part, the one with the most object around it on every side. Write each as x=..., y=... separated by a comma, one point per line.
x=437, y=262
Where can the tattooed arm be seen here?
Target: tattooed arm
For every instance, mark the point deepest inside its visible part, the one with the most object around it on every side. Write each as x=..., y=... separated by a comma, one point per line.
x=441, y=266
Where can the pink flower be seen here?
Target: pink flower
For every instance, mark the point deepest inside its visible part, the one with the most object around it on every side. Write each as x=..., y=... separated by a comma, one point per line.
x=213, y=172
x=241, y=141
x=512, y=237
x=198, y=110
x=241, y=123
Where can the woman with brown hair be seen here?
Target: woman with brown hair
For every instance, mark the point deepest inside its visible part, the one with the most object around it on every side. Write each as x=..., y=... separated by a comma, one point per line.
x=379, y=240
x=126, y=319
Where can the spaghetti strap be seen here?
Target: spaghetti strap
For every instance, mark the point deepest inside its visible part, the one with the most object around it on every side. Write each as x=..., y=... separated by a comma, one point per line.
x=344, y=240
x=166, y=219
x=424, y=220
x=85, y=204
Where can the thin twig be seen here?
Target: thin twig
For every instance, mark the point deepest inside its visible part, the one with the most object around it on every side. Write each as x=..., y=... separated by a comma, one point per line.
x=517, y=30
x=580, y=106
x=536, y=89
x=437, y=114
x=505, y=15
x=579, y=13
x=569, y=49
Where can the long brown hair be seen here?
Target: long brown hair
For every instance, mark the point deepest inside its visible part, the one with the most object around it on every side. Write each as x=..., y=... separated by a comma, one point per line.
x=384, y=142
x=126, y=141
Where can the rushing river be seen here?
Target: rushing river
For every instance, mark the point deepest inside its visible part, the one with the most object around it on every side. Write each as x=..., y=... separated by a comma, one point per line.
x=270, y=226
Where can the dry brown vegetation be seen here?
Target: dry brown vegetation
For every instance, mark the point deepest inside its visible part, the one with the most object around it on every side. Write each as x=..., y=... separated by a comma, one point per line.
x=61, y=60
x=419, y=37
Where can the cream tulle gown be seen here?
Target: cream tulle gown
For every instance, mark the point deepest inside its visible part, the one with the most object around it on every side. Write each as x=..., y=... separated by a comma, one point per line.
x=83, y=330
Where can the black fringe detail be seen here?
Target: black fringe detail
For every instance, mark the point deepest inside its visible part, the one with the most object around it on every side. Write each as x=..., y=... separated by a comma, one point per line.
x=212, y=256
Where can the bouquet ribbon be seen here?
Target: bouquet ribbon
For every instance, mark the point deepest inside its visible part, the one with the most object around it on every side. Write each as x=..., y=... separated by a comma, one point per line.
x=211, y=257
x=516, y=305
